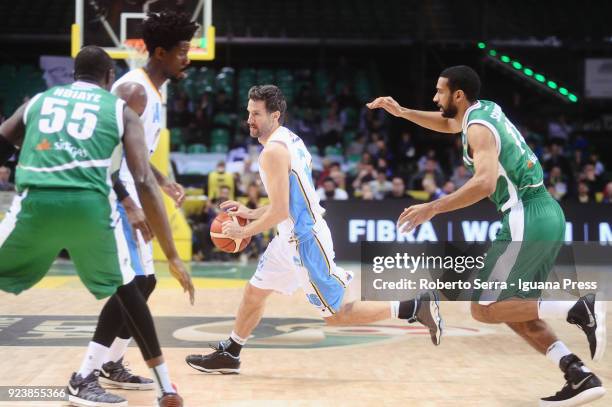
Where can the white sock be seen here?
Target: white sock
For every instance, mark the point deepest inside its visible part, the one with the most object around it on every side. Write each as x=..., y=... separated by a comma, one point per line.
x=238, y=339
x=554, y=309
x=556, y=351
x=95, y=356
x=162, y=378
x=394, y=308
x=118, y=349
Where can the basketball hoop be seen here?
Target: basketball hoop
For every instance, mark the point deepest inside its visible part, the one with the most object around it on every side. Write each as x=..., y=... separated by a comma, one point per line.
x=137, y=53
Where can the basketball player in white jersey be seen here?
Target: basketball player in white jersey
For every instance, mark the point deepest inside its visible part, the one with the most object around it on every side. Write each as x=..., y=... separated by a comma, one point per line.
x=302, y=254
x=167, y=37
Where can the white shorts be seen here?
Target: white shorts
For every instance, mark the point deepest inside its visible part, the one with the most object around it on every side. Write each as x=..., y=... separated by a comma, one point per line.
x=141, y=253
x=285, y=266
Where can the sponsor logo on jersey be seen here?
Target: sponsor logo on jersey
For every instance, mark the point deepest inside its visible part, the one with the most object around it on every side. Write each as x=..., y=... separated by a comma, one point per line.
x=43, y=145
x=67, y=146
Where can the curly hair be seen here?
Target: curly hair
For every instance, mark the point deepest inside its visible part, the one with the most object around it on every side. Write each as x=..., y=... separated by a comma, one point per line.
x=166, y=29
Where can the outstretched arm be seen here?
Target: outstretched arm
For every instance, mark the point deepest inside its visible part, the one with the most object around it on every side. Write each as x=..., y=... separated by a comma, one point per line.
x=481, y=185
x=430, y=120
x=275, y=162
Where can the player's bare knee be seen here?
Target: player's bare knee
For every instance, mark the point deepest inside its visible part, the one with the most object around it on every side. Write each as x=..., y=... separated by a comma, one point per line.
x=253, y=295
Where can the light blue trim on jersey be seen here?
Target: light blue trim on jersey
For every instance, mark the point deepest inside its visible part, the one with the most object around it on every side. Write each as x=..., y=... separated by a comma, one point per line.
x=129, y=238
x=328, y=288
x=299, y=207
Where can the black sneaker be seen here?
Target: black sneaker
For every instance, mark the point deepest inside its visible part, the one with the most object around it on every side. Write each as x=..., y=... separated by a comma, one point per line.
x=170, y=400
x=116, y=374
x=590, y=316
x=581, y=387
x=428, y=314
x=219, y=361
x=87, y=392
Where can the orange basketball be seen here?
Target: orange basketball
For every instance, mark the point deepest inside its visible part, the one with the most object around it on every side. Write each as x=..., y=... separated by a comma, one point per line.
x=224, y=243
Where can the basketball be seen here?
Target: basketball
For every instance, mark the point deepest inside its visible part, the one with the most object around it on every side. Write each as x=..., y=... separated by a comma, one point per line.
x=224, y=243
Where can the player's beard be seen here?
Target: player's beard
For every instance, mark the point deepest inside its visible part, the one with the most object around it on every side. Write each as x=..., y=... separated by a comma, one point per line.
x=260, y=131
x=449, y=111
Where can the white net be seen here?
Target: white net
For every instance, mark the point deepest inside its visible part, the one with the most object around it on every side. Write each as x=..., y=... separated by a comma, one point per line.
x=137, y=54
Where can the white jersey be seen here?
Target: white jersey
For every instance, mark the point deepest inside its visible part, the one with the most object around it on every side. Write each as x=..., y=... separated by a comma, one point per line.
x=305, y=212
x=151, y=117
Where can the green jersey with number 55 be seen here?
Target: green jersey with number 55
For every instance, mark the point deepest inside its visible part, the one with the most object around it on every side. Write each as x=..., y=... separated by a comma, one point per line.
x=520, y=174
x=71, y=135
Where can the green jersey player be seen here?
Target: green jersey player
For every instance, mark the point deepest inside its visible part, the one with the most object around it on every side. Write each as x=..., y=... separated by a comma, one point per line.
x=533, y=227
x=68, y=136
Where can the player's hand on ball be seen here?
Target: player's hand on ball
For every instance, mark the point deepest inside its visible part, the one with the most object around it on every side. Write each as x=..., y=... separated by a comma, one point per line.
x=387, y=103
x=233, y=230
x=178, y=271
x=175, y=191
x=137, y=219
x=415, y=216
x=234, y=208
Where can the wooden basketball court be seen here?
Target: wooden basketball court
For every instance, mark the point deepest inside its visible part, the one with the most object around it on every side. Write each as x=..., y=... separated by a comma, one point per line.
x=292, y=358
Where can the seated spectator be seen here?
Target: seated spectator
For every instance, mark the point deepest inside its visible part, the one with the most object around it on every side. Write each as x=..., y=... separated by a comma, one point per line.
x=557, y=181
x=461, y=175
x=607, y=193
x=593, y=181
x=430, y=171
x=398, y=189
x=382, y=165
x=584, y=195
x=366, y=174
x=330, y=191
x=430, y=186
x=430, y=155
x=366, y=193
x=338, y=176
x=322, y=176
x=5, y=176
x=380, y=186
x=219, y=178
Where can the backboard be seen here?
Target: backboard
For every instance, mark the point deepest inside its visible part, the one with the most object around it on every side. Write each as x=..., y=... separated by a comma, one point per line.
x=116, y=25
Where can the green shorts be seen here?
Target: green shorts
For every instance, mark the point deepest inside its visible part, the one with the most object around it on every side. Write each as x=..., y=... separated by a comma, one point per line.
x=42, y=222
x=525, y=250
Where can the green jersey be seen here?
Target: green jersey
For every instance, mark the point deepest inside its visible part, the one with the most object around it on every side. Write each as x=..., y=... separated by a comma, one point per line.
x=71, y=135
x=520, y=173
